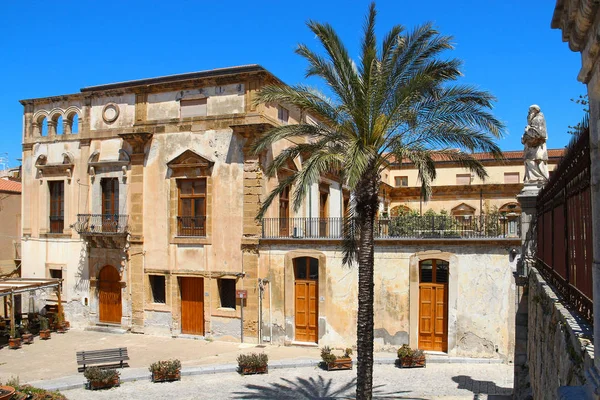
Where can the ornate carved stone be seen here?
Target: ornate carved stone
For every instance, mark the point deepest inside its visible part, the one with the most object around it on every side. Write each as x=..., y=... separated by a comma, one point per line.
x=535, y=153
x=137, y=141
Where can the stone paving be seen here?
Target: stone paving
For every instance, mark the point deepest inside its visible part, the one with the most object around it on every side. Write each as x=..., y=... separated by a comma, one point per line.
x=436, y=381
x=208, y=369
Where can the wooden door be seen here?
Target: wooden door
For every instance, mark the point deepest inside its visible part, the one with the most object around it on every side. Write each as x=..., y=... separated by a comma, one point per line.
x=109, y=293
x=192, y=305
x=323, y=214
x=306, y=289
x=433, y=305
x=110, y=204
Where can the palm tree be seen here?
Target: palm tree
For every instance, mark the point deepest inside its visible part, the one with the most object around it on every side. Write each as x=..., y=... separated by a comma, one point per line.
x=398, y=102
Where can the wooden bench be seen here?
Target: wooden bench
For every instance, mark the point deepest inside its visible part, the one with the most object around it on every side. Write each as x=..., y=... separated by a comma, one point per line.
x=109, y=358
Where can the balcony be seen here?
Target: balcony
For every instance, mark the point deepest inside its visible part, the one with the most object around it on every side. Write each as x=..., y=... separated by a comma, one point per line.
x=101, y=224
x=402, y=227
x=191, y=226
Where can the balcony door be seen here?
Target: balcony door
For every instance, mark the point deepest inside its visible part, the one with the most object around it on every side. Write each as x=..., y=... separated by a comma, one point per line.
x=192, y=207
x=433, y=305
x=110, y=204
x=323, y=214
x=284, y=212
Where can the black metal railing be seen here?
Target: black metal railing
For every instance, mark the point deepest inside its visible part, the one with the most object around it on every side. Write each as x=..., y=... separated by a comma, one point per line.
x=401, y=227
x=101, y=224
x=191, y=226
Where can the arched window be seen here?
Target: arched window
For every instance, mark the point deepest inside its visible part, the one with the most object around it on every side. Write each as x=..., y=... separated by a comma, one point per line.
x=59, y=125
x=43, y=126
x=75, y=123
x=72, y=122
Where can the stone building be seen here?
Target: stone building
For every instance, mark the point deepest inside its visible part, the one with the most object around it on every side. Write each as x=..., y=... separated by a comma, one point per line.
x=10, y=230
x=142, y=196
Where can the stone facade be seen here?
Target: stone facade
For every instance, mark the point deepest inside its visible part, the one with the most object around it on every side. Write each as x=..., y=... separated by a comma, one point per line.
x=131, y=146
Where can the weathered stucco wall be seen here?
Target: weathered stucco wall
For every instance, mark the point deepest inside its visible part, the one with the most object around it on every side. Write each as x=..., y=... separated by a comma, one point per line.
x=560, y=352
x=481, y=295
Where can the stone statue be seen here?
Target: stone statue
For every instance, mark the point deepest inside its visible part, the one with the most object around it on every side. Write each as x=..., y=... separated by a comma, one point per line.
x=535, y=153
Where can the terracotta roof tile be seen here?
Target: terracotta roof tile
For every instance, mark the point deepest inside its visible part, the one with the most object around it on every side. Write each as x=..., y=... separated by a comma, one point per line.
x=10, y=186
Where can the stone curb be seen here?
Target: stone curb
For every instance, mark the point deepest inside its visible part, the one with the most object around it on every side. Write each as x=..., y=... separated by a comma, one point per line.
x=141, y=374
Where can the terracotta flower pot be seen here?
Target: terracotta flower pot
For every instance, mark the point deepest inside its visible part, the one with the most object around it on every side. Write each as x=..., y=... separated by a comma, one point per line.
x=14, y=343
x=96, y=385
x=247, y=370
x=45, y=335
x=340, y=363
x=27, y=338
x=6, y=392
x=161, y=377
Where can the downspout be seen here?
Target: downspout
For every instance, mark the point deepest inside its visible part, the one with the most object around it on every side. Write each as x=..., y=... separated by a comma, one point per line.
x=270, y=304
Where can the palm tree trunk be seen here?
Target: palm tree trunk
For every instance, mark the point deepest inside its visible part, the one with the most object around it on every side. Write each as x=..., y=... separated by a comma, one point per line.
x=366, y=205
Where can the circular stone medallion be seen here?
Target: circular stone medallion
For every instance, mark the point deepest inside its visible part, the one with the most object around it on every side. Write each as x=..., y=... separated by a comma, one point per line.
x=110, y=113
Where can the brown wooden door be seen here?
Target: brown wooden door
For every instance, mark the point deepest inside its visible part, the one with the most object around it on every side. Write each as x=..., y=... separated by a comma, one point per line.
x=109, y=293
x=433, y=305
x=323, y=214
x=306, y=289
x=192, y=305
x=284, y=212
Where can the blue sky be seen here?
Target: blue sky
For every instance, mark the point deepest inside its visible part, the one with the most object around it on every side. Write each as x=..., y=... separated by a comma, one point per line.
x=54, y=48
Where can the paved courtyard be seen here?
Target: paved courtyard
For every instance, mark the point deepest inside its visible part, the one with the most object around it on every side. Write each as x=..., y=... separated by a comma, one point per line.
x=52, y=364
x=436, y=381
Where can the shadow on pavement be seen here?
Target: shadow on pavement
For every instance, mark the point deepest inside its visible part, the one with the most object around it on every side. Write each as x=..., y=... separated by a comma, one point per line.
x=490, y=388
x=312, y=388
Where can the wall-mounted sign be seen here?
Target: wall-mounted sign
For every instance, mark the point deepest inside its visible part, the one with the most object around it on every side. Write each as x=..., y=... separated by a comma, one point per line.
x=241, y=294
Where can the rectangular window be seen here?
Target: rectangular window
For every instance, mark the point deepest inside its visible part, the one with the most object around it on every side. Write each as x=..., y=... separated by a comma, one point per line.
x=192, y=207
x=511, y=177
x=401, y=181
x=157, y=285
x=56, y=273
x=193, y=108
x=227, y=292
x=283, y=115
x=463, y=179
x=57, y=206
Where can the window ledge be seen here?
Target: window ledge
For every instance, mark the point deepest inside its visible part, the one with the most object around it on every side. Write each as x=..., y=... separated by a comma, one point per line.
x=225, y=312
x=55, y=235
x=191, y=240
x=159, y=307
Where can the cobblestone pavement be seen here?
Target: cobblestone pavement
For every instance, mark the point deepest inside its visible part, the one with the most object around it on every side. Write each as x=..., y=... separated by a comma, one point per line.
x=436, y=381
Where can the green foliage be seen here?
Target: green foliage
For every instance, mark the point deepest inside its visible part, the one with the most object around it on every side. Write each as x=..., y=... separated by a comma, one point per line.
x=253, y=360
x=165, y=367
x=328, y=357
x=405, y=351
x=104, y=376
x=32, y=393
x=584, y=123
x=43, y=322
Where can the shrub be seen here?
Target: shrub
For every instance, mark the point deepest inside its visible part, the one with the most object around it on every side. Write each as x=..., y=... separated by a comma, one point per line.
x=328, y=357
x=32, y=393
x=253, y=360
x=104, y=376
x=405, y=351
x=166, y=367
x=347, y=352
x=43, y=323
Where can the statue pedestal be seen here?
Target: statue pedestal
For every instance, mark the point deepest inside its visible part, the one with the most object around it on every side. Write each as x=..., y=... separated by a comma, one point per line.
x=527, y=198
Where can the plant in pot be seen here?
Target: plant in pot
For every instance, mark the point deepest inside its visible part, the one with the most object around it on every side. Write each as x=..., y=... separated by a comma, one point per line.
x=44, y=329
x=409, y=358
x=6, y=392
x=333, y=362
x=166, y=371
x=101, y=378
x=253, y=363
x=14, y=342
x=27, y=336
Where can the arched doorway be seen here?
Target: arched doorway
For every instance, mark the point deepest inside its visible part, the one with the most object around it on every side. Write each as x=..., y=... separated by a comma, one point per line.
x=433, y=305
x=306, y=299
x=109, y=293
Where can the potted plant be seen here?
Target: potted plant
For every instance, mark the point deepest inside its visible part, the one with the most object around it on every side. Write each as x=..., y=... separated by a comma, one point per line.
x=409, y=358
x=253, y=363
x=44, y=330
x=6, y=392
x=101, y=378
x=166, y=371
x=27, y=336
x=333, y=362
x=14, y=342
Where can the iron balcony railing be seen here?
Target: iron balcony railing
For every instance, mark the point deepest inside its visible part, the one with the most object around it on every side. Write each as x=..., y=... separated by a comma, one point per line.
x=402, y=227
x=191, y=226
x=101, y=224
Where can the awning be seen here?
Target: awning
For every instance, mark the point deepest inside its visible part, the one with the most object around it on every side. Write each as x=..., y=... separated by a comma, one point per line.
x=21, y=285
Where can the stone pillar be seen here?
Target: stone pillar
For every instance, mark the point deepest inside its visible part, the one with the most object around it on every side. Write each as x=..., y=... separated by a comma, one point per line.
x=527, y=199
x=138, y=143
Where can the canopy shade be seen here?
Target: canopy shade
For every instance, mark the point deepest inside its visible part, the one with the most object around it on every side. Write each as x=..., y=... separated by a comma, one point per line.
x=21, y=285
